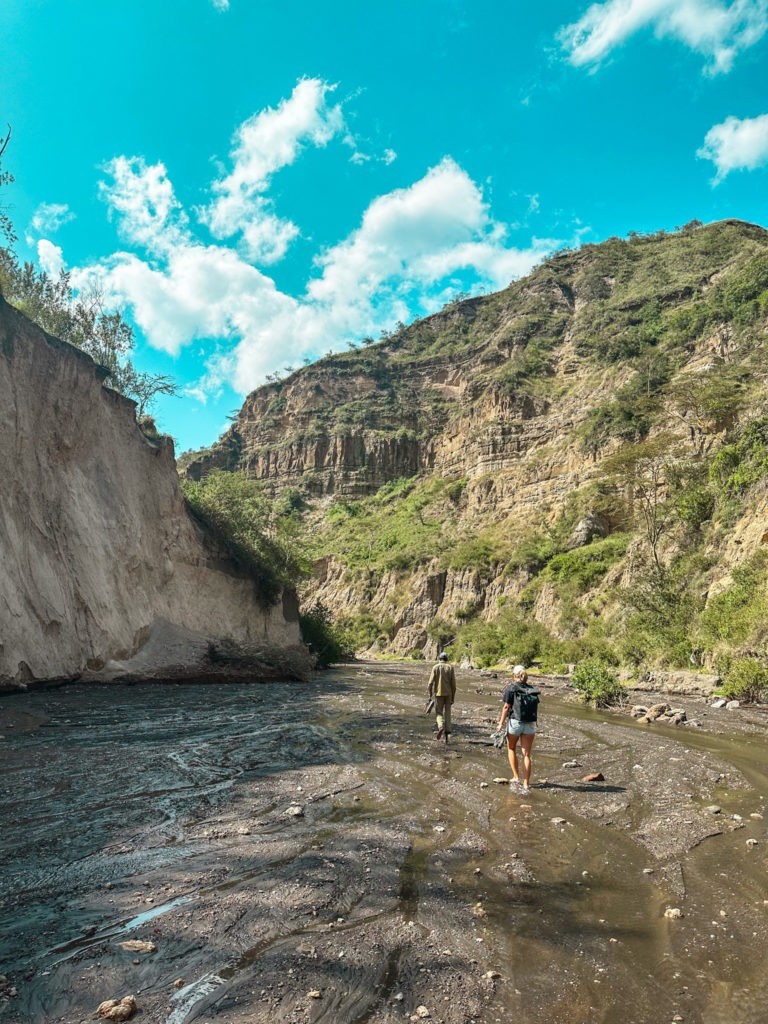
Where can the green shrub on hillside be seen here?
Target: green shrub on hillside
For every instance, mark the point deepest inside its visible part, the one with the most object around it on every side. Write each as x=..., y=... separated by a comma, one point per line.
x=363, y=630
x=401, y=526
x=236, y=514
x=741, y=464
x=695, y=505
x=583, y=568
x=660, y=611
x=325, y=639
x=739, y=614
x=746, y=679
x=598, y=684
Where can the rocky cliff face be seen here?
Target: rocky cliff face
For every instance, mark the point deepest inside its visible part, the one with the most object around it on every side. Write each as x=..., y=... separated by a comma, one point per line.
x=503, y=412
x=104, y=573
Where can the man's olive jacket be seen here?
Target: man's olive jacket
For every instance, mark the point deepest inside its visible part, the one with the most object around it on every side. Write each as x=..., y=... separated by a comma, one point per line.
x=442, y=682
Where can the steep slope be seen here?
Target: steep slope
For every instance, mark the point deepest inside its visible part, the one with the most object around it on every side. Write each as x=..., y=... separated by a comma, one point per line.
x=104, y=573
x=449, y=472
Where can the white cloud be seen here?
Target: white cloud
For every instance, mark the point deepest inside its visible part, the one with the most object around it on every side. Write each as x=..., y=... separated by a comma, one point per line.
x=265, y=143
x=718, y=30
x=49, y=217
x=143, y=198
x=736, y=145
x=50, y=258
x=414, y=248
x=221, y=5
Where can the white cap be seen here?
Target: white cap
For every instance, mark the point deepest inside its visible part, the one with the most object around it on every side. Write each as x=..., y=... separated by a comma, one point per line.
x=518, y=670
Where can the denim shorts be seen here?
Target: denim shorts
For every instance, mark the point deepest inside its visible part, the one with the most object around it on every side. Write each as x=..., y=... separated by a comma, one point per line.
x=515, y=728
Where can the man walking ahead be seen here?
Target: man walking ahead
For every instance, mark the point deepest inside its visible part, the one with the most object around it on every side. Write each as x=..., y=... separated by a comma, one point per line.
x=442, y=686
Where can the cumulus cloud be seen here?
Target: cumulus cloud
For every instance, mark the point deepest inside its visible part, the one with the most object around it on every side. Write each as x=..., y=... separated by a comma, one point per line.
x=717, y=29
x=265, y=143
x=221, y=5
x=49, y=217
x=143, y=199
x=413, y=249
x=736, y=145
x=50, y=258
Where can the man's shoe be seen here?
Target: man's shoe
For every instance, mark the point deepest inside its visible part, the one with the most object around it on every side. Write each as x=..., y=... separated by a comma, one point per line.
x=440, y=732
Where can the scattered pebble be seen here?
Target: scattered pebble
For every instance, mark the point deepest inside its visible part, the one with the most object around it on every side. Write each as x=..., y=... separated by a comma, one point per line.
x=137, y=946
x=315, y=994
x=491, y=975
x=673, y=912
x=294, y=811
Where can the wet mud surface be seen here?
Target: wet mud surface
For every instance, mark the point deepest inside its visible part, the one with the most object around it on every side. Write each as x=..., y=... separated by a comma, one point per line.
x=309, y=853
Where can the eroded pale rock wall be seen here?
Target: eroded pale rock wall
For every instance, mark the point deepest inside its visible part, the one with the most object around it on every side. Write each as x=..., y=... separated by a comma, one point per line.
x=102, y=571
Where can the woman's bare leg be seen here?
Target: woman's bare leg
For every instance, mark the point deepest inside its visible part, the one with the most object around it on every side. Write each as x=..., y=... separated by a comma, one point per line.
x=526, y=742
x=512, y=755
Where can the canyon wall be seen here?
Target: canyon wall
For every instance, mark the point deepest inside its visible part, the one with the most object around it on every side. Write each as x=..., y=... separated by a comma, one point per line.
x=105, y=575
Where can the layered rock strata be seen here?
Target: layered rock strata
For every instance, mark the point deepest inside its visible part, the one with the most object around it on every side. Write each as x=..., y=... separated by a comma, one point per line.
x=104, y=573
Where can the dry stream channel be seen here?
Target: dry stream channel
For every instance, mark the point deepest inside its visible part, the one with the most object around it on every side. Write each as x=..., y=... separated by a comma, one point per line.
x=307, y=852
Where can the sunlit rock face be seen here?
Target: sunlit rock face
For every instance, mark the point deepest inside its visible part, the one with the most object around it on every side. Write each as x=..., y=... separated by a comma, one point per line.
x=104, y=573
x=510, y=407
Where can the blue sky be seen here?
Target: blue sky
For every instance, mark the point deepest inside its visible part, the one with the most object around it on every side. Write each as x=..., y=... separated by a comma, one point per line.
x=256, y=183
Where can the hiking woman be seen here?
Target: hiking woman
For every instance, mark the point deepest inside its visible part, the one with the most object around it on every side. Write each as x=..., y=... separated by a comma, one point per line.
x=521, y=700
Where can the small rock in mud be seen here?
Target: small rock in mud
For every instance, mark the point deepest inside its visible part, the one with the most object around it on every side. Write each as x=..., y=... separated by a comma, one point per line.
x=751, y=842
x=422, y=1013
x=500, y=781
x=714, y=809
x=656, y=711
x=558, y=821
x=491, y=975
x=479, y=910
x=315, y=994
x=571, y=764
x=675, y=913
x=294, y=811
x=179, y=983
x=137, y=946
x=594, y=777
x=732, y=705
x=117, y=1009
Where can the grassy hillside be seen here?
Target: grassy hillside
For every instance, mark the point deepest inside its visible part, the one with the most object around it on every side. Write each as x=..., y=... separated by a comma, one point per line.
x=576, y=465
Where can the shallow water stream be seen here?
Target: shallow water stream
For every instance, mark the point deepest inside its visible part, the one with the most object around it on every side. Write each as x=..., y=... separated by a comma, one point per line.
x=404, y=875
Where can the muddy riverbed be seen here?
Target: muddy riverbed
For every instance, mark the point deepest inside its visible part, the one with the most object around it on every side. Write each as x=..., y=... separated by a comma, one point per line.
x=309, y=853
